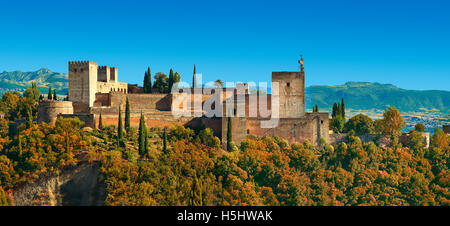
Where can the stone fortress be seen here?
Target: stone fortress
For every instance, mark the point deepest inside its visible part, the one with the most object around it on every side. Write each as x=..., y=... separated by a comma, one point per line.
x=95, y=90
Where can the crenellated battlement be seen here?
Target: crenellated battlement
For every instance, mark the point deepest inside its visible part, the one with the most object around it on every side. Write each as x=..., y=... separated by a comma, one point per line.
x=81, y=63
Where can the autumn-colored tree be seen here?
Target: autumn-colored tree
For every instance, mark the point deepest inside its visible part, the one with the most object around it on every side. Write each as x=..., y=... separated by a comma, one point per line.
x=393, y=122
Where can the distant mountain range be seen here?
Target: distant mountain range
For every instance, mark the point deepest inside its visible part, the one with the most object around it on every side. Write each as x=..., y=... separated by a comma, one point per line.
x=366, y=95
x=44, y=78
x=357, y=95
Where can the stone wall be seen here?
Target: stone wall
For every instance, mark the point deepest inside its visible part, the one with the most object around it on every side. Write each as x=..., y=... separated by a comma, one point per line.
x=48, y=110
x=106, y=87
x=311, y=127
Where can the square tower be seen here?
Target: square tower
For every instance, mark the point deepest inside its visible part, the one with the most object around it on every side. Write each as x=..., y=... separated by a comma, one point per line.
x=82, y=84
x=103, y=74
x=291, y=93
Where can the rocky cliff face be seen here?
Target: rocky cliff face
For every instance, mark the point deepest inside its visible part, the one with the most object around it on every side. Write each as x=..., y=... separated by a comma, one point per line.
x=77, y=186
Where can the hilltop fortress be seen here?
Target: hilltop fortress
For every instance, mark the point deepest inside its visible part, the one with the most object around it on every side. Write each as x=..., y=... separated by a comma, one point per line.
x=95, y=90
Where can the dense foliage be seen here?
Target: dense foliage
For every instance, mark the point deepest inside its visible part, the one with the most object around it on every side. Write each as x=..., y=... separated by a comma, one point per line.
x=270, y=171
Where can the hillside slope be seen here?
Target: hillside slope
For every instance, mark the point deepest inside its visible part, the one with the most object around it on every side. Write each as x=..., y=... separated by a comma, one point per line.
x=366, y=95
x=44, y=78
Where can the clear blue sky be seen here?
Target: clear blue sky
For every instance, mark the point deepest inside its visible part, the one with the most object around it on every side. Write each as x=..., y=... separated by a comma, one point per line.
x=405, y=43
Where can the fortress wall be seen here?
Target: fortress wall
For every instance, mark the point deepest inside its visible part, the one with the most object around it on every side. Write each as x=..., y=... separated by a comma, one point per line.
x=151, y=119
x=48, y=110
x=102, y=99
x=291, y=93
x=239, y=130
x=106, y=87
x=311, y=127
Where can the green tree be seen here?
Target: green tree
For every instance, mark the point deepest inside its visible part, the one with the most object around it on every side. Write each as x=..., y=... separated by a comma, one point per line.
x=229, y=134
x=148, y=81
x=337, y=124
x=127, y=117
x=170, y=80
x=49, y=95
x=120, y=129
x=161, y=83
x=195, y=198
x=333, y=114
x=339, y=110
x=143, y=147
x=165, y=140
x=420, y=127
x=55, y=97
x=343, y=108
x=194, y=79
x=33, y=92
x=100, y=123
x=359, y=123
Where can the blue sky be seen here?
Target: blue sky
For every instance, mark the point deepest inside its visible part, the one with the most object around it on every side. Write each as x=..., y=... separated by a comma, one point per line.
x=405, y=43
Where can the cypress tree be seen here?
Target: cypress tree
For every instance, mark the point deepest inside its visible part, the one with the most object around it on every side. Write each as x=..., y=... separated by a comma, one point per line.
x=29, y=117
x=171, y=80
x=229, y=134
x=195, y=198
x=49, y=96
x=165, y=140
x=343, y=108
x=54, y=95
x=100, y=123
x=194, y=79
x=3, y=199
x=127, y=117
x=333, y=114
x=119, y=129
x=142, y=140
x=19, y=143
x=339, y=110
x=145, y=82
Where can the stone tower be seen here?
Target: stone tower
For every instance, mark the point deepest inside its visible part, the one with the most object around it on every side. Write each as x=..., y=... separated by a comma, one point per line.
x=82, y=84
x=291, y=92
